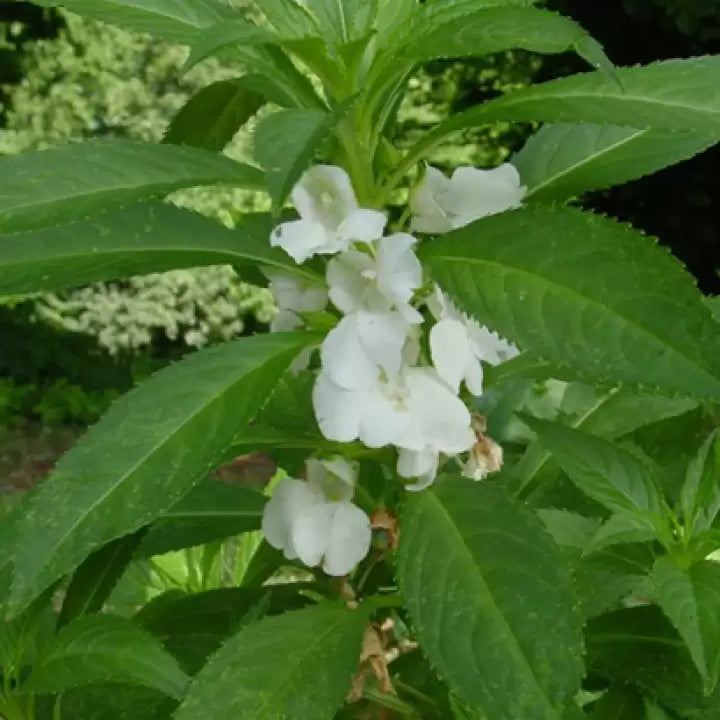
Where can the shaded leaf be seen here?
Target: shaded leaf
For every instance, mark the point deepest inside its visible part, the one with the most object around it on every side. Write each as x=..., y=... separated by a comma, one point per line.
x=700, y=495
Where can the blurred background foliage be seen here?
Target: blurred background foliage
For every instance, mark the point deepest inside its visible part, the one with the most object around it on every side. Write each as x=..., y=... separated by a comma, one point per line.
x=66, y=356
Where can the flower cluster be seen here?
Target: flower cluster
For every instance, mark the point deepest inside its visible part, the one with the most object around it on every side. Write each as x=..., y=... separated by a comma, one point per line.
x=381, y=381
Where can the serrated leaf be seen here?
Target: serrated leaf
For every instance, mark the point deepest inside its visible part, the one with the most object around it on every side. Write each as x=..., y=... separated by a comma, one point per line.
x=144, y=238
x=298, y=665
x=567, y=528
x=490, y=30
x=565, y=160
x=286, y=141
x=211, y=511
x=700, y=494
x=96, y=578
x=498, y=619
x=584, y=292
x=212, y=117
x=177, y=21
x=289, y=18
x=607, y=473
x=51, y=187
x=105, y=648
x=147, y=452
x=116, y=701
x=619, y=529
x=337, y=19
x=225, y=34
x=690, y=599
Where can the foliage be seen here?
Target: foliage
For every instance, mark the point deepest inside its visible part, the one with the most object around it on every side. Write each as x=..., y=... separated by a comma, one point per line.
x=578, y=579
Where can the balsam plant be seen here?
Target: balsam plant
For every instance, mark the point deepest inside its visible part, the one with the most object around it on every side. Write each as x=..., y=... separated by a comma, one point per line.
x=495, y=412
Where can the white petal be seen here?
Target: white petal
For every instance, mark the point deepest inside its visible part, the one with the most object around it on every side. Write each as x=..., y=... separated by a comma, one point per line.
x=311, y=533
x=350, y=538
x=451, y=351
x=290, y=499
x=286, y=321
x=362, y=226
x=344, y=469
x=334, y=478
x=383, y=337
x=300, y=239
x=383, y=418
x=428, y=214
x=325, y=194
x=345, y=358
x=489, y=346
x=346, y=281
x=417, y=463
x=399, y=270
x=442, y=417
x=338, y=411
x=474, y=377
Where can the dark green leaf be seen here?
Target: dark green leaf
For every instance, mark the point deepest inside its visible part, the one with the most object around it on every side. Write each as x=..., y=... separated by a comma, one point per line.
x=298, y=665
x=690, y=599
x=620, y=702
x=585, y=292
x=568, y=528
x=700, y=495
x=105, y=648
x=623, y=528
x=212, y=116
x=96, y=578
x=51, y=187
x=146, y=453
x=607, y=473
x=491, y=599
x=211, y=511
x=177, y=21
x=562, y=161
x=285, y=143
x=152, y=237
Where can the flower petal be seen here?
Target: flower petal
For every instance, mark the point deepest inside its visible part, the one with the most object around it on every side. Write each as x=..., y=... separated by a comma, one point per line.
x=345, y=278
x=489, y=346
x=382, y=335
x=428, y=214
x=334, y=478
x=345, y=358
x=311, y=533
x=338, y=411
x=451, y=351
x=324, y=194
x=349, y=540
x=300, y=239
x=421, y=464
x=362, y=225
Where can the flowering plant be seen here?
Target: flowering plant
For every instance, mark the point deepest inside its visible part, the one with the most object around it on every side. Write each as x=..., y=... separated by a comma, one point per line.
x=494, y=415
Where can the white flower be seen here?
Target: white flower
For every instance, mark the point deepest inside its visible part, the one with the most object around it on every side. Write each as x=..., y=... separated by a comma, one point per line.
x=458, y=344
x=316, y=521
x=330, y=219
x=292, y=296
x=441, y=204
x=382, y=281
x=415, y=410
x=362, y=344
x=420, y=464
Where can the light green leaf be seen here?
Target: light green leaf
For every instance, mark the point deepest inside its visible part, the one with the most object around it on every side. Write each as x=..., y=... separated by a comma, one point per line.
x=607, y=473
x=583, y=292
x=460, y=32
x=491, y=599
x=289, y=18
x=226, y=34
x=211, y=511
x=212, y=117
x=562, y=161
x=143, y=238
x=97, y=577
x=338, y=19
x=105, y=648
x=46, y=188
x=298, y=665
x=286, y=142
x=177, y=21
x=700, y=495
x=147, y=452
x=623, y=528
x=690, y=599
x=567, y=528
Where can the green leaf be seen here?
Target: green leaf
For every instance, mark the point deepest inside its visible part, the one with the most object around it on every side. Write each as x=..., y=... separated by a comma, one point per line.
x=620, y=702
x=337, y=19
x=622, y=529
x=223, y=35
x=690, y=599
x=700, y=495
x=211, y=511
x=146, y=453
x=71, y=182
x=490, y=30
x=105, y=648
x=297, y=665
x=491, y=599
x=286, y=141
x=289, y=18
x=563, y=161
x=583, y=292
x=96, y=578
x=177, y=21
x=144, y=238
x=607, y=473
x=212, y=116
x=567, y=528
